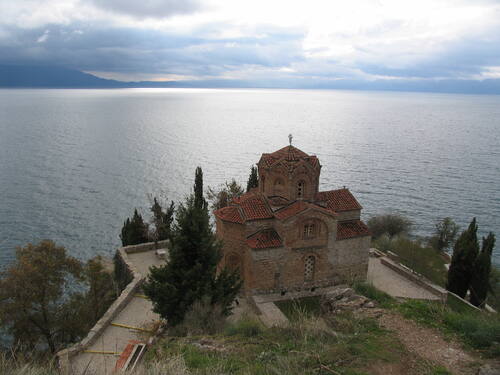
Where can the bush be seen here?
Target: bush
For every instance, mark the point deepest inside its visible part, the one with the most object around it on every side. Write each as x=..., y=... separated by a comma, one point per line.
x=246, y=327
x=479, y=330
x=202, y=318
x=389, y=224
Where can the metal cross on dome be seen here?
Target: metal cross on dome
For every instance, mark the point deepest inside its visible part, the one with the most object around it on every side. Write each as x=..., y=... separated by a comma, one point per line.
x=290, y=137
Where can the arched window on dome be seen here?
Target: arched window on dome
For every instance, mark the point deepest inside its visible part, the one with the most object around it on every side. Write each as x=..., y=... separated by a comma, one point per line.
x=309, y=268
x=301, y=189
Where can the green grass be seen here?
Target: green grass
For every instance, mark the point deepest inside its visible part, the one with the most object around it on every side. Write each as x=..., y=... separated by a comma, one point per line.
x=458, y=305
x=245, y=327
x=310, y=306
x=413, y=254
x=479, y=330
x=308, y=345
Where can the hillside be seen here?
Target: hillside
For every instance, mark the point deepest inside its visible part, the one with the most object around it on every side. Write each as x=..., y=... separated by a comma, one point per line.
x=393, y=337
x=57, y=77
x=49, y=76
x=368, y=333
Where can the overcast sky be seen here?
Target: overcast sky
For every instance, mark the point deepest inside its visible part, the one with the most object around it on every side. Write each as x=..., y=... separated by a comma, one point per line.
x=322, y=41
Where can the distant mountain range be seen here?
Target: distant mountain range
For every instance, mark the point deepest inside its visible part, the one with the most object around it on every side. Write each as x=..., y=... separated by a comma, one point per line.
x=12, y=76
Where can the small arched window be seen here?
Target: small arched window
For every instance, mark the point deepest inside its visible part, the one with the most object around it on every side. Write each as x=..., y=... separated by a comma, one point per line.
x=309, y=268
x=309, y=231
x=301, y=187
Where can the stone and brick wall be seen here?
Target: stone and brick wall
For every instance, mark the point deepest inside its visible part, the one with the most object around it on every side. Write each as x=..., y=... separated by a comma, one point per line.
x=349, y=215
x=350, y=258
x=278, y=180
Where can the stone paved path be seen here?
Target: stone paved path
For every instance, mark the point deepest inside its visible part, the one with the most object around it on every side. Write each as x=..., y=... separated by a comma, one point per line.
x=114, y=339
x=393, y=283
x=137, y=313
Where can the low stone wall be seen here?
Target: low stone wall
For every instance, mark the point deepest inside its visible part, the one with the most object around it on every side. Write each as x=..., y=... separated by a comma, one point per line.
x=64, y=356
x=391, y=261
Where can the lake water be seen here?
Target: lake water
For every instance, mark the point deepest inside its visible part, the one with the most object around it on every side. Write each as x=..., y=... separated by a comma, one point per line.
x=75, y=163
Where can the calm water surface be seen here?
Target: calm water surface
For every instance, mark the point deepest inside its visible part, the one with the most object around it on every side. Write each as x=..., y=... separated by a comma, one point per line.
x=74, y=163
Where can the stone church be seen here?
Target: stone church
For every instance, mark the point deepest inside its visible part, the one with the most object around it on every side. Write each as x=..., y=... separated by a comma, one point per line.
x=286, y=235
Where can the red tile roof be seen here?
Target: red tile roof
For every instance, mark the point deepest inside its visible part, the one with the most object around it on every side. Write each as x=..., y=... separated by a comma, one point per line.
x=249, y=206
x=264, y=239
x=350, y=229
x=288, y=153
x=338, y=200
x=254, y=207
x=291, y=210
x=230, y=213
x=297, y=207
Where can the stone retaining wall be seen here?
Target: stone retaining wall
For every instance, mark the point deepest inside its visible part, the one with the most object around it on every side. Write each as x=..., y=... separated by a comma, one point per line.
x=64, y=356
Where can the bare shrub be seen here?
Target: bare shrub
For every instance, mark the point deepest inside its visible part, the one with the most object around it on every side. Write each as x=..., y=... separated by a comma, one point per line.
x=390, y=224
x=203, y=318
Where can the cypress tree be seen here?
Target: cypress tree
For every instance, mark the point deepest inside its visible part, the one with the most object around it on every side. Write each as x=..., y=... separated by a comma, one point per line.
x=253, y=179
x=191, y=273
x=134, y=231
x=462, y=262
x=125, y=232
x=199, y=201
x=162, y=220
x=480, y=282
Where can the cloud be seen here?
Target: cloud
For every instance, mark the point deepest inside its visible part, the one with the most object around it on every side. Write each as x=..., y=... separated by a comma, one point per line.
x=152, y=53
x=43, y=38
x=279, y=41
x=149, y=8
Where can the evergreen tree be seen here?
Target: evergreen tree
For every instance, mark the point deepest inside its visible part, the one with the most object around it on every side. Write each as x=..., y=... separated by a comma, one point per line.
x=462, y=262
x=134, y=231
x=253, y=179
x=480, y=282
x=191, y=273
x=199, y=201
x=162, y=220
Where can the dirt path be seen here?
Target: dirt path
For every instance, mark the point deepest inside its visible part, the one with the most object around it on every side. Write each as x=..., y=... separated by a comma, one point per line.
x=430, y=344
